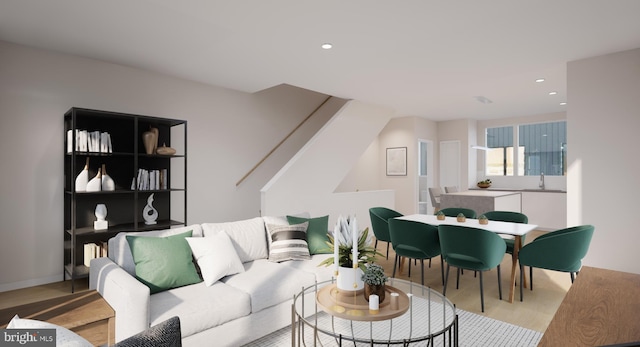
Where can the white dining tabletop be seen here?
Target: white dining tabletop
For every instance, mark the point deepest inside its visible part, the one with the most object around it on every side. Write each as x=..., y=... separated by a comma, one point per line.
x=515, y=229
x=503, y=228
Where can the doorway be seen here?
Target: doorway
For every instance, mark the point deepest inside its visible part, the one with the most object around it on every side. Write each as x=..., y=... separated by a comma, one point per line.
x=425, y=176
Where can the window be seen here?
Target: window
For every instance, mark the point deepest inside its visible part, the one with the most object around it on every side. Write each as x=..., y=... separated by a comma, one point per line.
x=545, y=148
x=500, y=154
x=542, y=148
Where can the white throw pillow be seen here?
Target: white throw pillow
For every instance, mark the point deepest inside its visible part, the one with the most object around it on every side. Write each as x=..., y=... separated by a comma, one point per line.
x=64, y=336
x=216, y=256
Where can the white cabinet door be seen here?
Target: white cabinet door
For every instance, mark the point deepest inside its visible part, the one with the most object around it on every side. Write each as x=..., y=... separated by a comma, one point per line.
x=547, y=210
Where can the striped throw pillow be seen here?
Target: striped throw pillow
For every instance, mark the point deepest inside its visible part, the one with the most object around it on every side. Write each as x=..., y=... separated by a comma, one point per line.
x=288, y=242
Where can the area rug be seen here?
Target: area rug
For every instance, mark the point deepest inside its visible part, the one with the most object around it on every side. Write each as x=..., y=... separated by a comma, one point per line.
x=474, y=330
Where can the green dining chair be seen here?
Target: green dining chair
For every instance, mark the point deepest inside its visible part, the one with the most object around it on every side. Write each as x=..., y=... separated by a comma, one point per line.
x=414, y=240
x=561, y=250
x=509, y=216
x=380, y=225
x=455, y=211
x=473, y=249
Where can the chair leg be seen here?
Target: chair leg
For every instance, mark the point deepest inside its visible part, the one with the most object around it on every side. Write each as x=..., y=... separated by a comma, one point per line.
x=388, y=250
x=499, y=283
x=376, y=244
x=395, y=265
x=446, y=279
x=572, y=277
x=521, y=275
x=429, y=262
x=458, y=278
x=481, y=293
x=422, y=268
x=442, y=268
x=530, y=278
x=409, y=262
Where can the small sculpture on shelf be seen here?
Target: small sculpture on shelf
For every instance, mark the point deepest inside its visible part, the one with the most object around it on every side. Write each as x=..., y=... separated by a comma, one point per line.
x=83, y=178
x=107, y=182
x=150, y=214
x=101, y=215
x=95, y=185
x=164, y=150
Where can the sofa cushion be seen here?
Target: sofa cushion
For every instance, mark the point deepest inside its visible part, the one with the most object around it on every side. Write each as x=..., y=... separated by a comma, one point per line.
x=289, y=242
x=120, y=252
x=216, y=256
x=317, y=233
x=163, y=262
x=199, y=307
x=269, y=283
x=321, y=273
x=249, y=237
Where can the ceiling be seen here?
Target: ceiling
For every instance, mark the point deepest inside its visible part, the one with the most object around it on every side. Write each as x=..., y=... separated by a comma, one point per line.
x=421, y=57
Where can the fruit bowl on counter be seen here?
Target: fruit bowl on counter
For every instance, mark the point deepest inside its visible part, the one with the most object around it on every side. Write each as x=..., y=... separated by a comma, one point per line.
x=484, y=184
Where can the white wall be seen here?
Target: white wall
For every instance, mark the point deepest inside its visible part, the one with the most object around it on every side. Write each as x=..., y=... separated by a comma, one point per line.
x=229, y=132
x=603, y=119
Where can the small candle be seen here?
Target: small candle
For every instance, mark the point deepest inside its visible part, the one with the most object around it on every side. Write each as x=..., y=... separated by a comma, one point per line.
x=395, y=305
x=374, y=304
x=355, y=242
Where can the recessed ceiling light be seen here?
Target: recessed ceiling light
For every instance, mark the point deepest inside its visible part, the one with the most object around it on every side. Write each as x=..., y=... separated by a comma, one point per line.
x=483, y=100
x=326, y=46
x=553, y=93
x=540, y=80
x=563, y=103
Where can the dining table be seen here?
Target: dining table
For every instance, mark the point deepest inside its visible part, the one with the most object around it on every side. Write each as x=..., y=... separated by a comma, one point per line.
x=517, y=230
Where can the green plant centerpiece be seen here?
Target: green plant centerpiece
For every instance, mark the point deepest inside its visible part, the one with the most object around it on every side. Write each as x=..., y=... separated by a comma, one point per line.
x=345, y=256
x=374, y=280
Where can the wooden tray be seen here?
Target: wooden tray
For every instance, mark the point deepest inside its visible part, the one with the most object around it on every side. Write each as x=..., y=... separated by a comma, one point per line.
x=353, y=306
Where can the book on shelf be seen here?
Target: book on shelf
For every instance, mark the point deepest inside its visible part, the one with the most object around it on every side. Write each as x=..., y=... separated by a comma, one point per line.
x=94, y=141
x=150, y=179
x=95, y=250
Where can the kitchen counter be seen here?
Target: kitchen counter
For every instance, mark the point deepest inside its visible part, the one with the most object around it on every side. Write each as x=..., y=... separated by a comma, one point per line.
x=483, y=201
x=533, y=190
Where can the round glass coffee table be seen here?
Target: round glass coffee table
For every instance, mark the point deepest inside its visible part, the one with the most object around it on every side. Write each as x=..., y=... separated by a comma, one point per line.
x=425, y=319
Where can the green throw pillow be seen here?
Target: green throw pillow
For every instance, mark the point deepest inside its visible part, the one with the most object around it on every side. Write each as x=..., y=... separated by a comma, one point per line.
x=163, y=262
x=317, y=233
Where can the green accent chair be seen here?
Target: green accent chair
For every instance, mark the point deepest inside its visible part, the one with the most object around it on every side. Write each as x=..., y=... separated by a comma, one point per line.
x=509, y=216
x=415, y=240
x=380, y=225
x=473, y=249
x=561, y=250
x=454, y=211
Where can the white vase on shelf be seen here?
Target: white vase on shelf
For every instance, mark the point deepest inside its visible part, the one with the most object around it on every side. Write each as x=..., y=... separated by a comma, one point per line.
x=95, y=185
x=107, y=181
x=83, y=178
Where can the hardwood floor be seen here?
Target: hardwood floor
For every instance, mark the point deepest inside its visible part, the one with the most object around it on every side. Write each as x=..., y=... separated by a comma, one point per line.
x=535, y=312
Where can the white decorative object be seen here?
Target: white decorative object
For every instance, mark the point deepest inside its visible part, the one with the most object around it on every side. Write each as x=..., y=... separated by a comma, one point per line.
x=101, y=215
x=374, y=304
x=150, y=214
x=107, y=181
x=350, y=279
x=83, y=178
x=95, y=185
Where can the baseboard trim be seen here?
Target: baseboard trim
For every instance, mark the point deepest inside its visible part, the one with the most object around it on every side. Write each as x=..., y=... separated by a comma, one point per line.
x=30, y=283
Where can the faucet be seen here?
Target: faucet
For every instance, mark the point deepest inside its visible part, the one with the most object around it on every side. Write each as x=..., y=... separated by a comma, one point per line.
x=541, y=183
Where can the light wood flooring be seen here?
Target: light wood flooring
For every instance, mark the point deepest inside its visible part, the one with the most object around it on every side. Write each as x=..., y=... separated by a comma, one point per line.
x=535, y=312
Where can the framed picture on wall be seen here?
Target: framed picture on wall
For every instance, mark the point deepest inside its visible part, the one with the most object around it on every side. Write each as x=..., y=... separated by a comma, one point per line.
x=397, y=161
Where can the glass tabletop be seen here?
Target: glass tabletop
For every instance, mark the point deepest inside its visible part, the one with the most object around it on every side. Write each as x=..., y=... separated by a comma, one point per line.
x=430, y=316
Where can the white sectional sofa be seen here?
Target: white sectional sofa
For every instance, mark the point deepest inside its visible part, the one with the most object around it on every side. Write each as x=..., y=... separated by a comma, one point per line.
x=233, y=311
